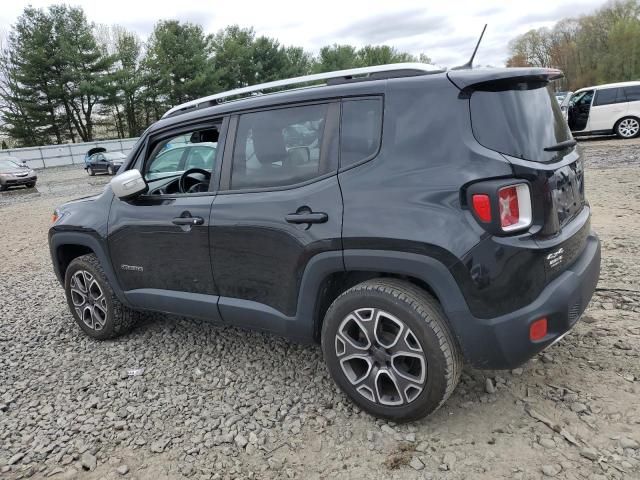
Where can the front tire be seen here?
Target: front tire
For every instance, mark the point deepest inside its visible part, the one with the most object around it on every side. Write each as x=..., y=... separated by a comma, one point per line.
x=110, y=170
x=31, y=185
x=628, y=127
x=388, y=347
x=90, y=171
x=94, y=306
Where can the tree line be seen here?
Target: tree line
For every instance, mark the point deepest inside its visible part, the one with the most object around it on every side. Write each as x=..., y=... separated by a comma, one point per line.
x=64, y=79
x=603, y=47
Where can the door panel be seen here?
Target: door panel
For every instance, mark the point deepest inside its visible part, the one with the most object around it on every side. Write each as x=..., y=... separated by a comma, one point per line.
x=608, y=107
x=579, y=111
x=258, y=255
x=150, y=251
x=263, y=237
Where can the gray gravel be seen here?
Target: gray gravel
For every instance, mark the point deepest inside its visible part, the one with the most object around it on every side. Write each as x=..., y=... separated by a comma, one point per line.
x=218, y=402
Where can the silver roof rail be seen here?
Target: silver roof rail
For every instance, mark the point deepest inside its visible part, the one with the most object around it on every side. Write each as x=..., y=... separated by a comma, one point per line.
x=421, y=68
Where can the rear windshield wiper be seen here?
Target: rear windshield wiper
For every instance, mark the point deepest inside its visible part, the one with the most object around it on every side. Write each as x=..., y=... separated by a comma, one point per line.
x=561, y=146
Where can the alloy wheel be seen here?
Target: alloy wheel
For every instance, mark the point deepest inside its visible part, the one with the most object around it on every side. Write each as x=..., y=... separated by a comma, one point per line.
x=629, y=127
x=381, y=357
x=88, y=300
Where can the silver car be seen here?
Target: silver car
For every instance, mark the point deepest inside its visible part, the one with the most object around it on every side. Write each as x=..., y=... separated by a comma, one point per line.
x=14, y=173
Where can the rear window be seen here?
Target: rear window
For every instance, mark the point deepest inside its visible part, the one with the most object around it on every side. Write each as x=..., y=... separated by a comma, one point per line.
x=518, y=119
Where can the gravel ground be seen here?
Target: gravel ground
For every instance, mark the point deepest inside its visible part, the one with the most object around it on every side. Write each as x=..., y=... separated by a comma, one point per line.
x=218, y=402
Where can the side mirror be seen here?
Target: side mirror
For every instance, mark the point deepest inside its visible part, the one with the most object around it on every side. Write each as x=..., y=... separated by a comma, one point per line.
x=128, y=184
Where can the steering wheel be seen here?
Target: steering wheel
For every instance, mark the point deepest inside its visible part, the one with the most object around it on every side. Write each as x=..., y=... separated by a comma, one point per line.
x=201, y=178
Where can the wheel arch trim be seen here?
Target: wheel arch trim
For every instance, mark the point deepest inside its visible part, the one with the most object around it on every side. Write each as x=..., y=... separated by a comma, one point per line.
x=424, y=268
x=57, y=240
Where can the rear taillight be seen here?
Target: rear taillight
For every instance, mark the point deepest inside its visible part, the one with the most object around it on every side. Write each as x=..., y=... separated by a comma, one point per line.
x=501, y=206
x=482, y=206
x=514, y=205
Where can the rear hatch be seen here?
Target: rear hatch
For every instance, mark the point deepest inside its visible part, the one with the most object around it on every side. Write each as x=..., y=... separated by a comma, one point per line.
x=514, y=112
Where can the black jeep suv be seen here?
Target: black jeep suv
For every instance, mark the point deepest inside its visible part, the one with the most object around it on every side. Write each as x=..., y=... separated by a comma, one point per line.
x=409, y=219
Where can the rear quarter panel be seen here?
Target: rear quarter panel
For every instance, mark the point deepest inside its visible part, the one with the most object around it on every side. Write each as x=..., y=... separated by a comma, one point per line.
x=408, y=197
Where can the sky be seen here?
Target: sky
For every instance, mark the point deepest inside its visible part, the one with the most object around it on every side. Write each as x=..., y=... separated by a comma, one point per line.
x=445, y=31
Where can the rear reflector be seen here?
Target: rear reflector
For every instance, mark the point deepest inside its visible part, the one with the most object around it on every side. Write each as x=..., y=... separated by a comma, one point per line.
x=482, y=207
x=538, y=329
x=514, y=205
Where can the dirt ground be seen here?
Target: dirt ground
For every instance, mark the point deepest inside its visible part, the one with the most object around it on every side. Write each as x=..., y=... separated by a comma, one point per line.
x=218, y=402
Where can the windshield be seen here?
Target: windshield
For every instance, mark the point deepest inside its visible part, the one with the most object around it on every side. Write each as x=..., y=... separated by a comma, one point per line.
x=519, y=119
x=8, y=164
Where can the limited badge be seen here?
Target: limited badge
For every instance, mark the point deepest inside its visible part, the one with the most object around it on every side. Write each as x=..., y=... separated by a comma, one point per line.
x=555, y=258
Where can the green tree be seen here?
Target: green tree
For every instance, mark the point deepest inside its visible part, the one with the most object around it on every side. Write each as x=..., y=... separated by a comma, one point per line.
x=370, y=55
x=337, y=57
x=233, y=57
x=177, y=65
x=29, y=91
x=81, y=68
x=298, y=62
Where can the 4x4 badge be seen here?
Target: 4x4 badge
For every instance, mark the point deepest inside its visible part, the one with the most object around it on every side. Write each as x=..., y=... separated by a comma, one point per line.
x=555, y=258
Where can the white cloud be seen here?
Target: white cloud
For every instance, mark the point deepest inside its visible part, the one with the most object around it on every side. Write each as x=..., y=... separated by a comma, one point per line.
x=446, y=31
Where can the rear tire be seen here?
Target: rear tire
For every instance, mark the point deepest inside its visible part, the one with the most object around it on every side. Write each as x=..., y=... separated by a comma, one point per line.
x=628, y=127
x=388, y=347
x=3, y=188
x=90, y=171
x=31, y=185
x=94, y=306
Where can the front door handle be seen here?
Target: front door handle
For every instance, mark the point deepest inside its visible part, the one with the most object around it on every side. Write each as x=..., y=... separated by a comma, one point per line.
x=188, y=221
x=307, y=217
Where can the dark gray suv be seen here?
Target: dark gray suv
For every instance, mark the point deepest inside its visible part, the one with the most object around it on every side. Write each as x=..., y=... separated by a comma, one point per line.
x=408, y=218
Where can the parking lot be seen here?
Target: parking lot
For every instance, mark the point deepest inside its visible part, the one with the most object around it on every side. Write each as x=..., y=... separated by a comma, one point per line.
x=218, y=402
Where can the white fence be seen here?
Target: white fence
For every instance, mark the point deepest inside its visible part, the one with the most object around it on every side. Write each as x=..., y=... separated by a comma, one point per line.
x=67, y=154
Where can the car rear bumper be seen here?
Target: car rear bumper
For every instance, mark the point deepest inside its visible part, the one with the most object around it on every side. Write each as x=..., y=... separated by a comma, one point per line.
x=503, y=342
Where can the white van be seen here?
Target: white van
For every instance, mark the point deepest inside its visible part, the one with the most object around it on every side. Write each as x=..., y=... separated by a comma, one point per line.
x=606, y=109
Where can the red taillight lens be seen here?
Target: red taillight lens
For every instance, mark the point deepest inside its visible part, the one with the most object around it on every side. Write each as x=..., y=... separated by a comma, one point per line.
x=482, y=207
x=538, y=329
x=509, y=211
x=514, y=205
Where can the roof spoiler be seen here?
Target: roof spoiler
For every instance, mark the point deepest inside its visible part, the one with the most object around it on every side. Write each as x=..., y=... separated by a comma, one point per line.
x=469, y=80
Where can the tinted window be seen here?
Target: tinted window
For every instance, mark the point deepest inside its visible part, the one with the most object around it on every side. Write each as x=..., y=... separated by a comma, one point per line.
x=607, y=96
x=200, y=156
x=519, y=120
x=167, y=160
x=278, y=147
x=196, y=149
x=360, y=130
x=633, y=93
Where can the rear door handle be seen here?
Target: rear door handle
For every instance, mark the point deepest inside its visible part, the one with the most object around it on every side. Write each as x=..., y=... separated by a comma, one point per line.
x=188, y=221
x=307, y=217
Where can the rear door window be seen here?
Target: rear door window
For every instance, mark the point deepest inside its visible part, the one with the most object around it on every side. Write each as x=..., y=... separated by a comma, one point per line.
x=608, y=96
x=279, y=147
x=632, y=93
x=360, y=130
x=518, y=119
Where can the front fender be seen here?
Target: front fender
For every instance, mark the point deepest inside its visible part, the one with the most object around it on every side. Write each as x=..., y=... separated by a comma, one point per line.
x=58, y=239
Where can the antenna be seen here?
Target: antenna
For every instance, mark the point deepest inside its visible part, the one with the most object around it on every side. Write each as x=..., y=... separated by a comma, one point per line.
x=469, y=64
